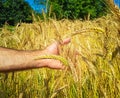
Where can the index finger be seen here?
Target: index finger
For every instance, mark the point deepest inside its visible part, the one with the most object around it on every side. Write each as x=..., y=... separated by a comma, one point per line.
x=65, y=41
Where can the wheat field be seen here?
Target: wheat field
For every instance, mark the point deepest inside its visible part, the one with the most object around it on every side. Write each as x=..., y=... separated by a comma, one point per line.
x=93, y=56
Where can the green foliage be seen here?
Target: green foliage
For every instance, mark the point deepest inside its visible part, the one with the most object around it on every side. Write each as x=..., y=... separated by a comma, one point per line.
x=75, y=9
x=14, y=11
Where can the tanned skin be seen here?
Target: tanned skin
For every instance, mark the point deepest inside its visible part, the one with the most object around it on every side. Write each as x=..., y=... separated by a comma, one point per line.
x=14, y=60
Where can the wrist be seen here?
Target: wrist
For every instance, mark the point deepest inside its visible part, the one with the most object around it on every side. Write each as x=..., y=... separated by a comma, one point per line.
x=31, y=55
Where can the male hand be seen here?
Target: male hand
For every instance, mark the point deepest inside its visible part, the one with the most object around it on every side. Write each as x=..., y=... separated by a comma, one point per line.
x=54, y=49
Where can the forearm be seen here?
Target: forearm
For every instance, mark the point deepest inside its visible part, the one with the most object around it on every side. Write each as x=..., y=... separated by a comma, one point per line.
x=12, y=60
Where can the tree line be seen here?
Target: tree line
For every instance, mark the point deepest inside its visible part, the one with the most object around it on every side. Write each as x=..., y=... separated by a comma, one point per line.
x=15, y=11
x=75, y=9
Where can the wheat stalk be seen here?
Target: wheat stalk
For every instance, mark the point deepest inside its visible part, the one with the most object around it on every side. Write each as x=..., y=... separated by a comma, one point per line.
x=62, y=59
x=114, y=8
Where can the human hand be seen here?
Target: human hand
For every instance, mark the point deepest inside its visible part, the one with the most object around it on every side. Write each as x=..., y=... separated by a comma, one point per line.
x=53, y=49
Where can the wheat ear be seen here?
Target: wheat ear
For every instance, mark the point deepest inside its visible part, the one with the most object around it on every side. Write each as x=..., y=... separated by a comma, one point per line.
x=56, y=57
x=95, y=29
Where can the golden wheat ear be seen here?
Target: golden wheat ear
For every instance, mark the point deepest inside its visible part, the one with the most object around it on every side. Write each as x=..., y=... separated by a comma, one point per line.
x=56, y=57
x=93, y=29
